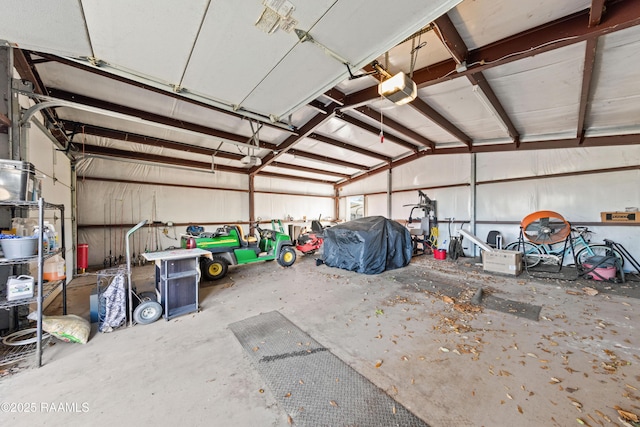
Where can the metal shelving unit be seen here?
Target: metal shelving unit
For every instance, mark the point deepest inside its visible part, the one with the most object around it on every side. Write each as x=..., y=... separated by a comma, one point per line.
x=10, y=354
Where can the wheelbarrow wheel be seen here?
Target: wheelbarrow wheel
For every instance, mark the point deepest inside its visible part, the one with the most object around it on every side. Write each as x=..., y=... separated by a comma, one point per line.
x=147, y=312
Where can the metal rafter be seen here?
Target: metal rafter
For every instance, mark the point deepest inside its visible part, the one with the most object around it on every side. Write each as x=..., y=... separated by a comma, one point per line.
x=456, y=46
x=145, y=140
x=308, y=169
x=377, y=116
x=554, y=35
x=596, y=11
x=293, y=177
x=376, y=131
x=303, y=132
x=350, y=147
x=113, y=152
x=430, y=113
x=145, y=115
x=479, y=79
x=103, y=73
x=450, y=37
x=587, y=74
x=326, y=159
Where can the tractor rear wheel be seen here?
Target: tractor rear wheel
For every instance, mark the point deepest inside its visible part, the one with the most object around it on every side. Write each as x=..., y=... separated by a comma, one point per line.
x=215, y=268
x=287, y=256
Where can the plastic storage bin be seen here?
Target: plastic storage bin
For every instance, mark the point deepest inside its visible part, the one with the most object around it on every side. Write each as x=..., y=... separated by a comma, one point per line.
x=17, y=180
x=21, y=247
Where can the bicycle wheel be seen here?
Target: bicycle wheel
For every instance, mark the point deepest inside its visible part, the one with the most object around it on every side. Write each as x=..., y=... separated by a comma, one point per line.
x=598, y=250
x=531, y=253
x=455, y=249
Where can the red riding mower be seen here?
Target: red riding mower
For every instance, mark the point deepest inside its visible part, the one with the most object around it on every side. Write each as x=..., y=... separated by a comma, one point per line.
x=310, y=241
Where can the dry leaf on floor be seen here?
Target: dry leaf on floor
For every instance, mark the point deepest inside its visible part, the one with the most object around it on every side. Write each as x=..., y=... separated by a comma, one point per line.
x=590, y=291
x=333, y=403
x=378, y=363
x=555, y=380
x=261, y=390
x=520, y=410
x=444, y=349
x=287, y=395
x=256, y=348
x=572, y=292
x=447, y=299
x=605, y=417
x=628, y=416
x=290, y=420
x=404, y=358
x=301, y=382
x=394, y=410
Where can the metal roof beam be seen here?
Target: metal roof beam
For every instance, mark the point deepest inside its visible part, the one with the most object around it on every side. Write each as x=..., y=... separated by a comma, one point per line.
x=145, y=140
x=320, y=158
x=350, y=147
x=427, y=111
x=450, y=37
x=456, y=46
x=304, y=131
x=308, y=169
x=595, y=12
x=563, y=32
x=145, y=115
x=388, y=122
x=587, y=74
x=376, y=131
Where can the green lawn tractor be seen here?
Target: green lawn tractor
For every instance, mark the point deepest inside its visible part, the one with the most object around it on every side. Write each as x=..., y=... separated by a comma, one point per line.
x=230, y=246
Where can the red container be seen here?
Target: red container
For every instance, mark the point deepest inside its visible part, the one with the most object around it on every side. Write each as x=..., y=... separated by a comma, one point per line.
x=83, y=256
x=440, y=254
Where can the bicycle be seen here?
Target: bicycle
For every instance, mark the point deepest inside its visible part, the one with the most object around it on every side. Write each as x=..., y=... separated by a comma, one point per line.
x=534, y=254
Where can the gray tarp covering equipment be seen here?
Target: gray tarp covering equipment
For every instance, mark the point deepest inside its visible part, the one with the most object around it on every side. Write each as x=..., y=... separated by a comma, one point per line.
x=368, y=245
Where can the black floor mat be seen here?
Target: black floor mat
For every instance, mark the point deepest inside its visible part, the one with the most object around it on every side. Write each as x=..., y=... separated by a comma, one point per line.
x=311, y=384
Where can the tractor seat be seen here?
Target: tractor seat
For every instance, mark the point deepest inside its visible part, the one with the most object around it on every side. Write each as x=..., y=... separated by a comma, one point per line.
x=246, y=239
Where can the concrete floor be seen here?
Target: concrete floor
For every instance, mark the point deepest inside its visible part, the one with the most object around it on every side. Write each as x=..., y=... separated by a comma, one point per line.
x=445, y=361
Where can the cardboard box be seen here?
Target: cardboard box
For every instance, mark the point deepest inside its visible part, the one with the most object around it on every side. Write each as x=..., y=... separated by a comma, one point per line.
x=502, y=261
x=620, y=216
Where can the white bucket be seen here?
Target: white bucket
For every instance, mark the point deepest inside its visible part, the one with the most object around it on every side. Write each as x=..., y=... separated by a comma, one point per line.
x=22, y=247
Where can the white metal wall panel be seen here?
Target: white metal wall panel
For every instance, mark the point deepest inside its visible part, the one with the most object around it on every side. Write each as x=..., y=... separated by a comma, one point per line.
x=504, y=165
x=376, y=204
x=373, y=184
x=282, y=206
x=283, y=185
x=433, y=171
x=614, y=103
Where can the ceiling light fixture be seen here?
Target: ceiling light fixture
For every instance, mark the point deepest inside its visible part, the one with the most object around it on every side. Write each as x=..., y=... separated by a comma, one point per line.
x=399, y=89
